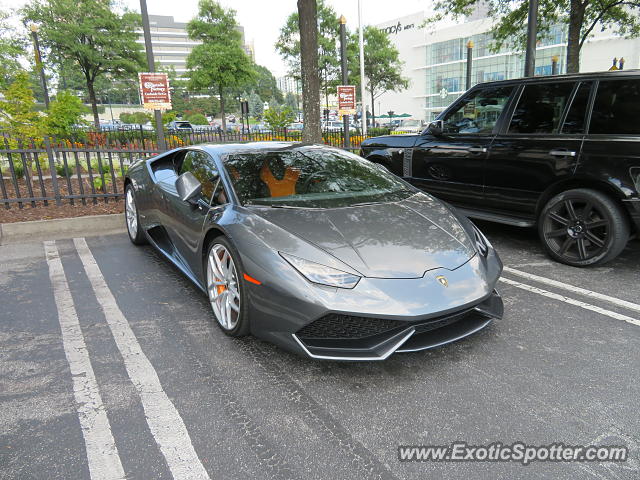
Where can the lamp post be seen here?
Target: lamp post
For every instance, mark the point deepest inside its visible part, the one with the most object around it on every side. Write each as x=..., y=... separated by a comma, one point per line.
x=345, y=80
x=152, y=68
x=554, y=64
x=36, y=51
x=469, y=62
x=363, y=115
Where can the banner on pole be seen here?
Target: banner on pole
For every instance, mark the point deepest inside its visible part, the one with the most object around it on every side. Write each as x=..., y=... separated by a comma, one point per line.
x=346, y=99
x=154, y=91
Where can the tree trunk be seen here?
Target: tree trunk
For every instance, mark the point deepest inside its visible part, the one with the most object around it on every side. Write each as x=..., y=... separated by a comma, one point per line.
x=373, y=110
x=308, y=26
x=576, y=19
x=94, y=103
x=224, y=120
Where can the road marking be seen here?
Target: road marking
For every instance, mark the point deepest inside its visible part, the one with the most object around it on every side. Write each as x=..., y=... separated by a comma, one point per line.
x=165, y=423
x=577, y=303
x=102, y=454
x=583, y=291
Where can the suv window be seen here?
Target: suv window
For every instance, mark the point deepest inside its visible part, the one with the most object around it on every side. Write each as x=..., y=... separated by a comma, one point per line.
x=540, y=108
x=576, y=116
x=478, y=112
x=616, y=107
x=203, y=168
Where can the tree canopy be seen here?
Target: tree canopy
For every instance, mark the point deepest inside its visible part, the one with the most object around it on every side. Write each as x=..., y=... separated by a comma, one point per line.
x=583, y=17
x=12, y=49
x=90, y=34
x=382, y=65
x=219, y=62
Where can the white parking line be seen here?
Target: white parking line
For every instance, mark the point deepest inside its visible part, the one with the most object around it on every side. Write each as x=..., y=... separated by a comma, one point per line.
x=571, y=301
x=571, y=288
x=165, y=423
x=102, y=454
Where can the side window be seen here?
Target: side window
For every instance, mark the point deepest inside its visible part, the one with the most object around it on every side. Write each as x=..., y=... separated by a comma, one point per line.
x=540, y=108
x=576, y=116
x=616, y=107
x=219, y=194
x=203, y=168
x=478, y=112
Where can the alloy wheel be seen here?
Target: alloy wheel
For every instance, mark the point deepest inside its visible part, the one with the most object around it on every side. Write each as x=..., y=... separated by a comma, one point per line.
x=131, y=214
x=222, y=287
x=576, y=229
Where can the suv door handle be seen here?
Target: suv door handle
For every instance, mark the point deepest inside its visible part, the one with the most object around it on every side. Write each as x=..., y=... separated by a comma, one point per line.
x=477, y=150
x=562, y=153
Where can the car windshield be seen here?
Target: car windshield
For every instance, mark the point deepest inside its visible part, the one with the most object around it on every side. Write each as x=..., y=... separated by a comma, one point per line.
x=311, y=177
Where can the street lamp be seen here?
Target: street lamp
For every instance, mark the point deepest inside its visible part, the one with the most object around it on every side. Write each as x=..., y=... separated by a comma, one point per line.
x=36, y=51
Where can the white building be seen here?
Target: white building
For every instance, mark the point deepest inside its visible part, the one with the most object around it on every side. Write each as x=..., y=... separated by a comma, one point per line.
x=435, y=60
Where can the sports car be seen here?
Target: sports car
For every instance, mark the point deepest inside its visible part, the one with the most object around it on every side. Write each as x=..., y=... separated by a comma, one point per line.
x=314, y=248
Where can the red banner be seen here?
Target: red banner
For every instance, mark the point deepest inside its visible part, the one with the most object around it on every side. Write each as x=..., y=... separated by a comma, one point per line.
x=154, y=91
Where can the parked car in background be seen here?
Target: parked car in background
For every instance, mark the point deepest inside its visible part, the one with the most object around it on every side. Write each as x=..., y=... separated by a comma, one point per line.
x=560, y=153
x=336, y=126
x=296, y=126
x=179, y=126
x=410, y=126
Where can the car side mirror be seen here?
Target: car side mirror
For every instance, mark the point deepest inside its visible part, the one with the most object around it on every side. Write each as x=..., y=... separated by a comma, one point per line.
x=436, y=128
x=189, y=187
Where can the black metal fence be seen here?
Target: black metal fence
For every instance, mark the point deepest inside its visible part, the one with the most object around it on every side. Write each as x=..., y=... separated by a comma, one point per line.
x=88, y=167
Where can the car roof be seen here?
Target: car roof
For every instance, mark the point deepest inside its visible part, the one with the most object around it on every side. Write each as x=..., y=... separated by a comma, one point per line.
x=570, y=76
x=227, y=148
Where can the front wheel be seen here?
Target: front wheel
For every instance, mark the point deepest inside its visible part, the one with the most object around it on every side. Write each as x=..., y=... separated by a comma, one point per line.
x=226, y=289
x=136, y=235
x=583, y=227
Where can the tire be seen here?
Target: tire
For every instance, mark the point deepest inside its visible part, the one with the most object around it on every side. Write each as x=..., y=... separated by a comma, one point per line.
x=220, y=289
x=132, y=219
x=583, y=227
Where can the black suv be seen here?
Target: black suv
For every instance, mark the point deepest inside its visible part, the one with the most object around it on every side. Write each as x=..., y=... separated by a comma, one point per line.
x=561, y=152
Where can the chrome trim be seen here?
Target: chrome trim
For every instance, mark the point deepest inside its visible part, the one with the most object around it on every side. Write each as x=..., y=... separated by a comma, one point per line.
x=384, y=356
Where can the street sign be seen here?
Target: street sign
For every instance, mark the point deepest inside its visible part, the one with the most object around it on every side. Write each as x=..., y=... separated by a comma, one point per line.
x=154, y=91
x=346, y=99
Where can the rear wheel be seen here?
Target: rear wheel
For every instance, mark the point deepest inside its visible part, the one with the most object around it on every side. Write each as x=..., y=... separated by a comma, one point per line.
x=583, y=227
x=136, y=235
x=226, y=289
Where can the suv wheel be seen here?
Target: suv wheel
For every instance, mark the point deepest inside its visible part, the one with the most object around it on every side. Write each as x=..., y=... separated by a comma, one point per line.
x=583, y=227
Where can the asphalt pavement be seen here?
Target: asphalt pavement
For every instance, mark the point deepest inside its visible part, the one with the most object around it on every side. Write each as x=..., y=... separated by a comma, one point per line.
x=111, y=366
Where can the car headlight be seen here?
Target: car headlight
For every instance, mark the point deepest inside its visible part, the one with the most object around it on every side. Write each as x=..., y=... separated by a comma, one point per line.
x=321, y=274
x=482, y=244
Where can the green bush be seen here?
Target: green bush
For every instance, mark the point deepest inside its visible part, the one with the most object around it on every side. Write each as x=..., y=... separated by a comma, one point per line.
x=18, y=169
x=197, y=119
x=63, y=170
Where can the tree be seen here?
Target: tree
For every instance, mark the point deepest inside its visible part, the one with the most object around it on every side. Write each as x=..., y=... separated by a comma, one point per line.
x=278, y=118
x=64, y=113
x=328, y=33
x=581, y=16
x=12, y=49
x=18, y=118
x=308, y=28
x=263, y=84
x=197, y=119
x=256, y=105
x=136, y=118
x=91, y=35
x=382, y=65
x=220, y=61
x=291, y=101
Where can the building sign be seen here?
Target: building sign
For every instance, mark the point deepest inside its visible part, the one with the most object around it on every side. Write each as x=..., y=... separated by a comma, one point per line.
x=346, y=99
x=154, y=91
x=396, y=29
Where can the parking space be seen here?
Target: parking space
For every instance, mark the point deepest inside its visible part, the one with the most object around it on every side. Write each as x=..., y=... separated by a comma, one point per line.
x=129, y=377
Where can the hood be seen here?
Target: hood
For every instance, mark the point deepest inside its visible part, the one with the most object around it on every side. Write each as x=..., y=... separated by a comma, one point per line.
x=388, y=240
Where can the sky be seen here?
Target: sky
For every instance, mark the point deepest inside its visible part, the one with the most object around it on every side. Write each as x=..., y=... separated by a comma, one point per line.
x=262, y=19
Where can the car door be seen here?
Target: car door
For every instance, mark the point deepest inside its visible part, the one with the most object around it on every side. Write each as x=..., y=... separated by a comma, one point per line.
x=451, y=165
x=185, y=220
x=539, y=146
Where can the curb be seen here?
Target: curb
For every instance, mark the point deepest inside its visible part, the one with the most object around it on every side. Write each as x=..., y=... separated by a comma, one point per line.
x=59, y=228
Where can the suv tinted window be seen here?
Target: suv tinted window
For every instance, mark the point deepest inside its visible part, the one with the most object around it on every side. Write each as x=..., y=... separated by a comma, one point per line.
x=478, y=112
x=616, y=107
x=203, y=168
x=540, y=108
x=575, y=121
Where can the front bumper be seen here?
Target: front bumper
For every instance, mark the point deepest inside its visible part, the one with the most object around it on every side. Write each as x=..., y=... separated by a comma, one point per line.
x=399, y=335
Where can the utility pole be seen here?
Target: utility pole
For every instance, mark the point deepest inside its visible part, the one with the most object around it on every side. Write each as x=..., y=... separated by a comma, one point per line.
x=36, y=51
x=152, y=68
x=363, y=92
x=532, y=34
x=345, y=79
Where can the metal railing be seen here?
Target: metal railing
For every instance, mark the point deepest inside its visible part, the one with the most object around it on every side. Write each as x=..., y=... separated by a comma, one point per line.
x=88, y=167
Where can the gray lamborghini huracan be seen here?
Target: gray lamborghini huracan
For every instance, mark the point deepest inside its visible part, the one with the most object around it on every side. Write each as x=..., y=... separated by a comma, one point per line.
x=315, y=249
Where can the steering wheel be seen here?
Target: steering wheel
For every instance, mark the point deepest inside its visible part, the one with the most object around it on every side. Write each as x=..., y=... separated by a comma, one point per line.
x=307, y=182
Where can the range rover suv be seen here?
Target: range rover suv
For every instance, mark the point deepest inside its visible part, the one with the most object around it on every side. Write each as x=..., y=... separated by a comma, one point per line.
x=561, y=153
